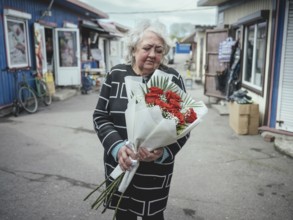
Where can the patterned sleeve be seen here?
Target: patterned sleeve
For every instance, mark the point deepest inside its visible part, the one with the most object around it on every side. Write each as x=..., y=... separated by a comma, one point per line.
x=103, y=123
x=174, y=148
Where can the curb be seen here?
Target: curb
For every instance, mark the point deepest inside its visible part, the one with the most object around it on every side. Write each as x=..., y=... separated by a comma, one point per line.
x=284, y=146
x=282, y=143
x=64, y=94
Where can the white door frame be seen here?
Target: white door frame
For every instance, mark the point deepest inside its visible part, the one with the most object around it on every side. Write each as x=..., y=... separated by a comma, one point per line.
x=280, y=105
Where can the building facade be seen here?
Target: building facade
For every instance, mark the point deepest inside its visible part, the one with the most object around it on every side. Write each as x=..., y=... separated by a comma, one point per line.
x=53, y=36
x=264, y=30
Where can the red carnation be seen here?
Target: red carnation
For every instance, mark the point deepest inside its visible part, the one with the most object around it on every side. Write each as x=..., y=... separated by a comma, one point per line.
x=172, y=95
x=175, y=103
x=150, y=98
x=190, y=115
x=179, y=115
x=162, y=104
x=156, y=90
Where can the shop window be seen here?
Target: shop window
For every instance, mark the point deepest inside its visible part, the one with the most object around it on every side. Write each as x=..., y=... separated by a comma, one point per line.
x=255, y=38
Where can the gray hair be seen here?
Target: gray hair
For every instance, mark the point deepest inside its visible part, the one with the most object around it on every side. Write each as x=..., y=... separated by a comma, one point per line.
x=136, y=35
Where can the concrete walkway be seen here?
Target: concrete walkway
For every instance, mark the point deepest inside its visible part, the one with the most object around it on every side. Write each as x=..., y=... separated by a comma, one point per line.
x=282, y=143
x=52, y=159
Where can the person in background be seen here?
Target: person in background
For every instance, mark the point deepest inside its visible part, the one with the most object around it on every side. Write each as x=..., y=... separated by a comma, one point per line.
x=49, y=50
x=147, y=194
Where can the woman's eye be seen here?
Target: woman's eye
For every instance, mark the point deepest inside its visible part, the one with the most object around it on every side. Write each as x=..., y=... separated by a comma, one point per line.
x=157, y=50
x=146, y=48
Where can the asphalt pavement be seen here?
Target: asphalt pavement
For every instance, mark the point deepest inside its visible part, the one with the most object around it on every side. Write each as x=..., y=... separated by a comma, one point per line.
x=50, y=160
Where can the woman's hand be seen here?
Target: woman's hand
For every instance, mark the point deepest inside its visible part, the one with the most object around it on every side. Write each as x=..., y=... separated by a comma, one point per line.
x=123, y=158
x=148, y=156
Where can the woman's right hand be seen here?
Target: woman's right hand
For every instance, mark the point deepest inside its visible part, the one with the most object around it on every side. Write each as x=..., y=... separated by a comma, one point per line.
x=125, y=154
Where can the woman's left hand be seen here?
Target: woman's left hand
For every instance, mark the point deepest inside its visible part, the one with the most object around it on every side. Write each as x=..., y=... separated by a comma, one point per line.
x=148, y=156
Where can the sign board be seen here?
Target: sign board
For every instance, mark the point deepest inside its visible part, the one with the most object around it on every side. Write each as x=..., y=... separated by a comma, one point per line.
x=182, y=48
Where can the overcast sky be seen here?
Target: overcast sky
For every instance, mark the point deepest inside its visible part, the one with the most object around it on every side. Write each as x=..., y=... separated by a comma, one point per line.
x=180, y=11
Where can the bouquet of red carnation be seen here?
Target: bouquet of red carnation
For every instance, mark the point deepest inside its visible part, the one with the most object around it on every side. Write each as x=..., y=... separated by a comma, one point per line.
x=158, y=114
x=170, y=104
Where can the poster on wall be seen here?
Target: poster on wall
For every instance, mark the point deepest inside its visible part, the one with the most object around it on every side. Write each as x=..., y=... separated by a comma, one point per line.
x=16, y=36
x=40, y=49
x=67, y=41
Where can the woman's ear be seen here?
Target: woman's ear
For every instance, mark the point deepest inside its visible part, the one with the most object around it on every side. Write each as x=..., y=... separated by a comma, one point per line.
x=133, y=52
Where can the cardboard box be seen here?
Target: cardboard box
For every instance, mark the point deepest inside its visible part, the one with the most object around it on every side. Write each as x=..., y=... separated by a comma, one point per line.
x=244, y=118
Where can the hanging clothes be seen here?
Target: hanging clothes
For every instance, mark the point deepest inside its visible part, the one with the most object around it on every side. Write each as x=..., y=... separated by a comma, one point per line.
x=234, y=80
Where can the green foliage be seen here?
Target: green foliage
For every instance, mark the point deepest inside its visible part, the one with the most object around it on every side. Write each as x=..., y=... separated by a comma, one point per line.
x=180, y=30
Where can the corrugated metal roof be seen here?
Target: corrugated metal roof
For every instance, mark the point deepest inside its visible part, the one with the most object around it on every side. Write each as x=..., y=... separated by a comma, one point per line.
x=189, y=39
x=203, y=27
x=121, y=28
x=91, y=25
x=88, y=8
x=210, y=2
x=110, y=28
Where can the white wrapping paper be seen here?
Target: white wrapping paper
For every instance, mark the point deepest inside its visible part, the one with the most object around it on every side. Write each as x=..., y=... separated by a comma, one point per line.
x=146, y=127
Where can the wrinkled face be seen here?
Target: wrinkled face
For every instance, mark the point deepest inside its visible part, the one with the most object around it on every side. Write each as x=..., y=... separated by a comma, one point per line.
x=148, y=54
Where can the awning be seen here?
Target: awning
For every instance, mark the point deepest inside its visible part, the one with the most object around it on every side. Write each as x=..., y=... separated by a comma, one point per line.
x=211, y=2
x=258, y=15
x=111, y=29
x=91, y=25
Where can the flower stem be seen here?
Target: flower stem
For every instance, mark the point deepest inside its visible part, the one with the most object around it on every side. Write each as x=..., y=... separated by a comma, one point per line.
x=119, y=179
x=107, y=193
x=99, y=186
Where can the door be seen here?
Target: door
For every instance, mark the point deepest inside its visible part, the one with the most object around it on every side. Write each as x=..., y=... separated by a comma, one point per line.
x=285, y=101
x=67, y=56
x=213, y=66
x=107, y=55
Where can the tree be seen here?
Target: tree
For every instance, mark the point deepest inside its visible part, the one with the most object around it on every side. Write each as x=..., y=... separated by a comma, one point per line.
x=181, y=30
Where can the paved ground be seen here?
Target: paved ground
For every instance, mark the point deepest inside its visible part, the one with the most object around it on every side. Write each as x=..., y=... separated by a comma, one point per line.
x=50, y=160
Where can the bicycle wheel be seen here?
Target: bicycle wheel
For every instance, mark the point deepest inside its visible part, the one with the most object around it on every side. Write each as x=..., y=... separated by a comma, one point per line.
x=28, y=99
x=45, y=93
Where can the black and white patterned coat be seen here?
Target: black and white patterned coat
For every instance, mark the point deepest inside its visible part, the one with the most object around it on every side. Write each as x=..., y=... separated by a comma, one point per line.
x=148, y=192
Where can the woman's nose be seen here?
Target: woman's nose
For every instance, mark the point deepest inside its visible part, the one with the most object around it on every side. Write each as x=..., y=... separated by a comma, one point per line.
x=152, y=52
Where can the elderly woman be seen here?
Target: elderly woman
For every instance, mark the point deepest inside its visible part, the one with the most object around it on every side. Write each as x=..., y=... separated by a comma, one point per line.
x=147, y=194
